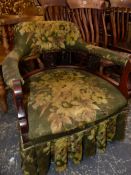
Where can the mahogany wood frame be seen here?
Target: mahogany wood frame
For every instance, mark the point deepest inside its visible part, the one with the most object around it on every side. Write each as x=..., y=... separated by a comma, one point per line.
x=120, y=16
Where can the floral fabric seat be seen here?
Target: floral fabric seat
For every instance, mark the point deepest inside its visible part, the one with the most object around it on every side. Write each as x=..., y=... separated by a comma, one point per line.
x=65, y=99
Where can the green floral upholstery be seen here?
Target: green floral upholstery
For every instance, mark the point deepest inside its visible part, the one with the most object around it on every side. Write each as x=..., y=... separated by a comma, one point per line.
x=36, y=158
x=36, y=37
x=60, y=100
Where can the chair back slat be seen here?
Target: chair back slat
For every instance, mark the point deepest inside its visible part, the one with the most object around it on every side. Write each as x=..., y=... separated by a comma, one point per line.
x=104, y=31
x=96, y=24
x=118, y=24
x=119, y=21
x=78, y=21
x=113, y=24
x=123, y=25
x=91, y=25
x=85, y=25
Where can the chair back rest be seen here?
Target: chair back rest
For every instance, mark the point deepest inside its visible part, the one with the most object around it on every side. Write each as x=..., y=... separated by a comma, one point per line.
x=120, y=18
x=36, y=37
x=55, y=9
x=88, y=16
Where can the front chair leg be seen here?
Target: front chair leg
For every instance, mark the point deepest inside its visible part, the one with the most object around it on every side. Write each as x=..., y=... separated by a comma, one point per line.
x=18, y=98
x=3, y=99
x=123, y=86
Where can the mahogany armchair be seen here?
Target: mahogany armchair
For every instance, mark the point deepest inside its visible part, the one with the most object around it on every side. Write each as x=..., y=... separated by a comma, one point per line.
x=89, y=16
x=118, y=20
x=120, y=25
x=64, y=111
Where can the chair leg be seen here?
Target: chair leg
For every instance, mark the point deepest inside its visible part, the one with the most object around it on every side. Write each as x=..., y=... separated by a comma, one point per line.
x=3, y=101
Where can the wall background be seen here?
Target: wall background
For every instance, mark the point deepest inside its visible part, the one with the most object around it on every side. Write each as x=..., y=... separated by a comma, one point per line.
x=15, y=7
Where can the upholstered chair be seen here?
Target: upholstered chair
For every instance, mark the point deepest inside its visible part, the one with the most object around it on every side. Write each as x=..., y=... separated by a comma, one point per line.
x=119, y=35
x=64, y=112
x=55, y=9
x=120, y=12
x=89, y=16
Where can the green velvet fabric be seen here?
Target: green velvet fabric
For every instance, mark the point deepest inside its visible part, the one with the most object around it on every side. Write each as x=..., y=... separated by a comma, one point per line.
x=36, y=159
x=35, y=37
x=63, y=99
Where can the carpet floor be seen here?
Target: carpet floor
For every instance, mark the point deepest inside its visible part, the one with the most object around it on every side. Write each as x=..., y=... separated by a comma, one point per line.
x=115, y=161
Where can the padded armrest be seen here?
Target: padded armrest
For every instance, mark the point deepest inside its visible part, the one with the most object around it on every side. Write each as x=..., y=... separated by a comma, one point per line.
x=117, y=57
x=108, y=54
x=10, y=68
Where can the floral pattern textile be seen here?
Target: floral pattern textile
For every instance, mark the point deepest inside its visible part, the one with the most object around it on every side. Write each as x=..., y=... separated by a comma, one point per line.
x=49, y=35
x=37, y=158
x=65, y=99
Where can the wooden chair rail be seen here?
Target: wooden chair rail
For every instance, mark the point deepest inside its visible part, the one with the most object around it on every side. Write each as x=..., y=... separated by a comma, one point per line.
x=22, y=116
x=123, y=86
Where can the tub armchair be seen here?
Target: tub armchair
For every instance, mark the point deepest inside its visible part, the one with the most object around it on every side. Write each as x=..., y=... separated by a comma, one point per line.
x=64, y=112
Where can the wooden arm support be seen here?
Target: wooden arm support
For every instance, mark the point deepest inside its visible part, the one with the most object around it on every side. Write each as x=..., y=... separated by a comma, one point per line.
x=123, y=86
x=18, y=97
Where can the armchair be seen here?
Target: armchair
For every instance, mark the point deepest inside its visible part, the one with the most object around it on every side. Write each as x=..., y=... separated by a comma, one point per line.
x=63, y=111
x=88, y=16
x=119, y=25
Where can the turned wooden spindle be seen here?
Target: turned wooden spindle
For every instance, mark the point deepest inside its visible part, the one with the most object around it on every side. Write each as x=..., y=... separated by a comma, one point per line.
x=5, y=40
x=3, y=101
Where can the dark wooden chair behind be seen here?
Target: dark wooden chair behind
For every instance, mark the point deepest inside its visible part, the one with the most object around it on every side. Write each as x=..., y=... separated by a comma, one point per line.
x=120, y=25
x=55, y=9
x=89, y=17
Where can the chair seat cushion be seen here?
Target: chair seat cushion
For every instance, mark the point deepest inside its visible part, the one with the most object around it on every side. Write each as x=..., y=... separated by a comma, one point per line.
x=64, y=99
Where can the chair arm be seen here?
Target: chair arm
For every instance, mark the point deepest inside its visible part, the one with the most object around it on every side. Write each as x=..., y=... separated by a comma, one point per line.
x=10, y=68
x=123, y=86
x=118, y=58
x=18, y=98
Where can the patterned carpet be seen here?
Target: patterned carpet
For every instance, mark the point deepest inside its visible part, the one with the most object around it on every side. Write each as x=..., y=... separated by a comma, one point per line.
x=115, y=161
